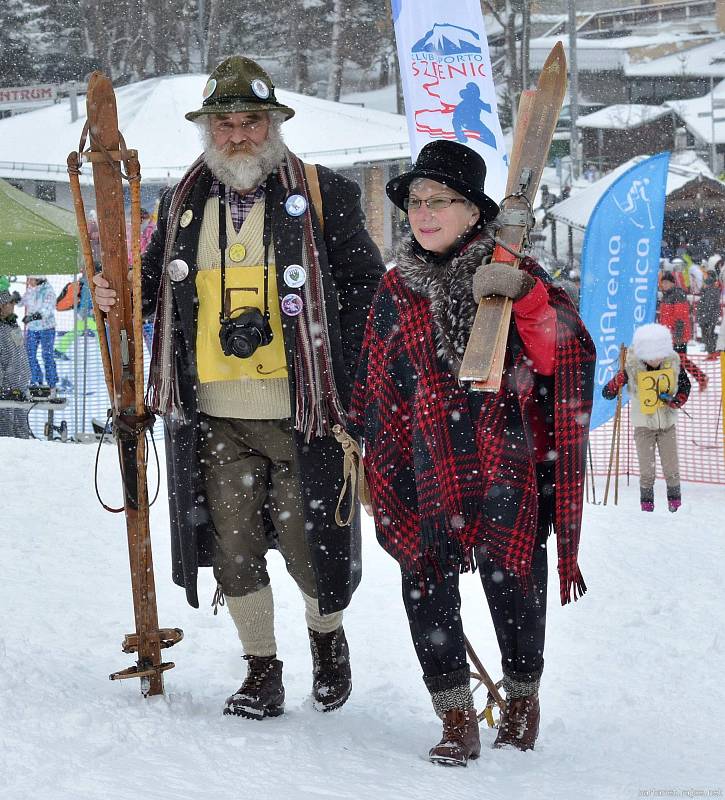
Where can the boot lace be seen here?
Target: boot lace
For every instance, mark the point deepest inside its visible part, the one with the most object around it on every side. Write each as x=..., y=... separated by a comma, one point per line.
x=454, y=726
x=257, y=672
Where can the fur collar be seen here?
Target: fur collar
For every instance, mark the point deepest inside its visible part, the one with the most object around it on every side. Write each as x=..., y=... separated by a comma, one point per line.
x=448, y=286
x=634, y=366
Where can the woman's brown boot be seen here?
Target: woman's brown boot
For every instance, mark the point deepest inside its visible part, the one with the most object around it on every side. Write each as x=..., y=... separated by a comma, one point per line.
x=460, y=739
x=519, y=724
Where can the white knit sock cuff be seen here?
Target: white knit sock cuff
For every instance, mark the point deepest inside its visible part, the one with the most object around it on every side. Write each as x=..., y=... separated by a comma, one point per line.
x=253, y=615
x=316, y=621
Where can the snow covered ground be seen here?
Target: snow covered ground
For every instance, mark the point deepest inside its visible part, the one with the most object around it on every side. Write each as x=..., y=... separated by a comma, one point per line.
x=632, y=697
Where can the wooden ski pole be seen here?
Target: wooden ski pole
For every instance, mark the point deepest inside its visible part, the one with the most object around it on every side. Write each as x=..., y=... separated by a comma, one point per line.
x=591, y=470
x=615, y=429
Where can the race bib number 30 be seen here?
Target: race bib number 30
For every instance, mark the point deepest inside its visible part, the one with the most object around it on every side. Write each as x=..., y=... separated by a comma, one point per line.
x=650, y=385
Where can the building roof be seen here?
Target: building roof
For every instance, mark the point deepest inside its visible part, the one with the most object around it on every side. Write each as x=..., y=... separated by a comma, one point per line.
x=577, y=209
x=622, y=116
x=661, y=53
x=696, y=60
x=697, y=114
x=35, y=145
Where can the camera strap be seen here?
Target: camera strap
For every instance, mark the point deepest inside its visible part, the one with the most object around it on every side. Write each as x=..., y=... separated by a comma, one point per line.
x=266, y=241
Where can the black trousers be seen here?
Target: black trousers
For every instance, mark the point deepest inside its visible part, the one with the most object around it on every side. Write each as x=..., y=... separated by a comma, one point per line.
x=519, y=617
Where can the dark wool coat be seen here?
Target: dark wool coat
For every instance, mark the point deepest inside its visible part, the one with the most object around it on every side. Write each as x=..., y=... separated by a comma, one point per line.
x=351, y=268
x=448, y=468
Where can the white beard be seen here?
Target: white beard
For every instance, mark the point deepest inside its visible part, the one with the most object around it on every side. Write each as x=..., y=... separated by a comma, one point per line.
x=244, y=171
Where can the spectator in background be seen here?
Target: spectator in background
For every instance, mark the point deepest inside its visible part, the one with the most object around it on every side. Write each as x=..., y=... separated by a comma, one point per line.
x=547, y=201
x=679, y=273
x=39, y=321
x=14, y=368
x=708, y=310
x=675, y=309
x=674, y=313
x=696, y=275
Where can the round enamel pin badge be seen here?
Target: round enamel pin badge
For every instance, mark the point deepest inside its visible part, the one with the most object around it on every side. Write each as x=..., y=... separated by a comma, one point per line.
x=295, y=205
x=237, y=252
x=260, y=88
x=295, y=276
x=209, y=89
x=177, y=269
x=291, y=305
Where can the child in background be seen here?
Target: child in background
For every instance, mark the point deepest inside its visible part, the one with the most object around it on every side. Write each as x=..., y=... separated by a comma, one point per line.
x=658, y=386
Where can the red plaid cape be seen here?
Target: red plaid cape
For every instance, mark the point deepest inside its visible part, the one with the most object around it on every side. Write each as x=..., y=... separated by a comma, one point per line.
x=448, y=473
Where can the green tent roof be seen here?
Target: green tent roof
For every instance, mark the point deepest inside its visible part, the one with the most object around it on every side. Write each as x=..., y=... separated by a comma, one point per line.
x=35, y=237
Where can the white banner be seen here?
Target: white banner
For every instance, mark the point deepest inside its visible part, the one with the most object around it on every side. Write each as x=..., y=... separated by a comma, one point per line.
x=447, y=82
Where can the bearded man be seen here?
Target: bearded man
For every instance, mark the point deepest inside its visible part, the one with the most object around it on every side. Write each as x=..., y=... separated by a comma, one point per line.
x=261, y=275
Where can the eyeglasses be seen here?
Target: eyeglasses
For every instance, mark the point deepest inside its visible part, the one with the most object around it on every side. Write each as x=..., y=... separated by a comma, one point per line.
x=432, y=203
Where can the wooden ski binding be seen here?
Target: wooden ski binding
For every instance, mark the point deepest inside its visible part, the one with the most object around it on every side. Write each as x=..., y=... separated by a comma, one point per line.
x=167, y=637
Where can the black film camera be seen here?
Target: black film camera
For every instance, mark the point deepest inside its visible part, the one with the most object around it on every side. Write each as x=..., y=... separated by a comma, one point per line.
x=241, y=335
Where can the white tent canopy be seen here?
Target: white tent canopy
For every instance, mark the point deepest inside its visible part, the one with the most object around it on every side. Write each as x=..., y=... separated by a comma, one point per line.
x=576, y=210
x=35, y=146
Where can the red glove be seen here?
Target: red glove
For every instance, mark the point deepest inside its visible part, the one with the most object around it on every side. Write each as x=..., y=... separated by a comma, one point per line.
x=620, y=379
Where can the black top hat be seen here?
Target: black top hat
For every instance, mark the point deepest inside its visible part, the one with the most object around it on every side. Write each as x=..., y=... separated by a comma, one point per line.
x=453, y=165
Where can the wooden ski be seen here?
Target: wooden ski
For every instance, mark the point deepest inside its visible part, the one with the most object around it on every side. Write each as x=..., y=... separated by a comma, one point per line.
x=538, y=113
x=122, y=350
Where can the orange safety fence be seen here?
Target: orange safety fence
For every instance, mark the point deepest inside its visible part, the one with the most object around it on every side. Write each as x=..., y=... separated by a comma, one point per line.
x=699, y=434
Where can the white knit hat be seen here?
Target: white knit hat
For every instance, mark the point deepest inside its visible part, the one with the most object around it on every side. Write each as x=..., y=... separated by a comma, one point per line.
x=652, y=342
x=714, y=260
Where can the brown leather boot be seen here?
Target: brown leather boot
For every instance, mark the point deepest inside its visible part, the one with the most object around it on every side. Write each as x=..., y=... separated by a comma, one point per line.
x=262, y=693
x=460, y=740
x=331, y=676
x=519, y=724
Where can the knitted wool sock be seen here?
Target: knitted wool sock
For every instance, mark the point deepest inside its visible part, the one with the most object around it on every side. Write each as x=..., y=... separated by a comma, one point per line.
x=517, y=688
x=316, y=621
x=253, y=614
x=449, y=691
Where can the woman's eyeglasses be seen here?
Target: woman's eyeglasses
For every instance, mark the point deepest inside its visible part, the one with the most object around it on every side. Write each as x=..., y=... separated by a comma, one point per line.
x=432, y=203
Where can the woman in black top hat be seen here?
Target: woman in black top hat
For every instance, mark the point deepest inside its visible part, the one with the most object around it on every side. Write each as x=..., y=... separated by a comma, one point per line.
x=461, y=479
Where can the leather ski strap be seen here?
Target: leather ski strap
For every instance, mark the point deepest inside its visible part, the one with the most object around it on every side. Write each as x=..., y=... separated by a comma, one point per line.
x=313, y=185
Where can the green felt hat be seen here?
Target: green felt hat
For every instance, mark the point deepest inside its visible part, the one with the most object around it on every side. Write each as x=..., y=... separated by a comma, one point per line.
x=239, y=84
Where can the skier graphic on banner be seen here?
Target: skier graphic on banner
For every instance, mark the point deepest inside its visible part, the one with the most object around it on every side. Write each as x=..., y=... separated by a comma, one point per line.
x=467, y=116
x=637, y=204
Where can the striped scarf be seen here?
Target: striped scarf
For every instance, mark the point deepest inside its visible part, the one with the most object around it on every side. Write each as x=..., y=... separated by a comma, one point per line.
x=318, y=406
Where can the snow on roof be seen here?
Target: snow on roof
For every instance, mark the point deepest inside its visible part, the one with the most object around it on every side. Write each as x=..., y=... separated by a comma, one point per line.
x=697, y=114
x=707, y=60
x=151, y=116
x=577, y=209
x=623, y=52
x=622, y=116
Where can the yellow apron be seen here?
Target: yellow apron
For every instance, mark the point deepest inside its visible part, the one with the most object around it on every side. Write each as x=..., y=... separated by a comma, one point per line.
x=650, y=384
x=244, y=287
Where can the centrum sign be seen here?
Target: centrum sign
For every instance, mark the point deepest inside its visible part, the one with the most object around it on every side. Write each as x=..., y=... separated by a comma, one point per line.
x=14, y=97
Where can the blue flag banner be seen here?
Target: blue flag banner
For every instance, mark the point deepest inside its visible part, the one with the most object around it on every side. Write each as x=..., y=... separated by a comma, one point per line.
x=445, y=69
x=620, y=262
